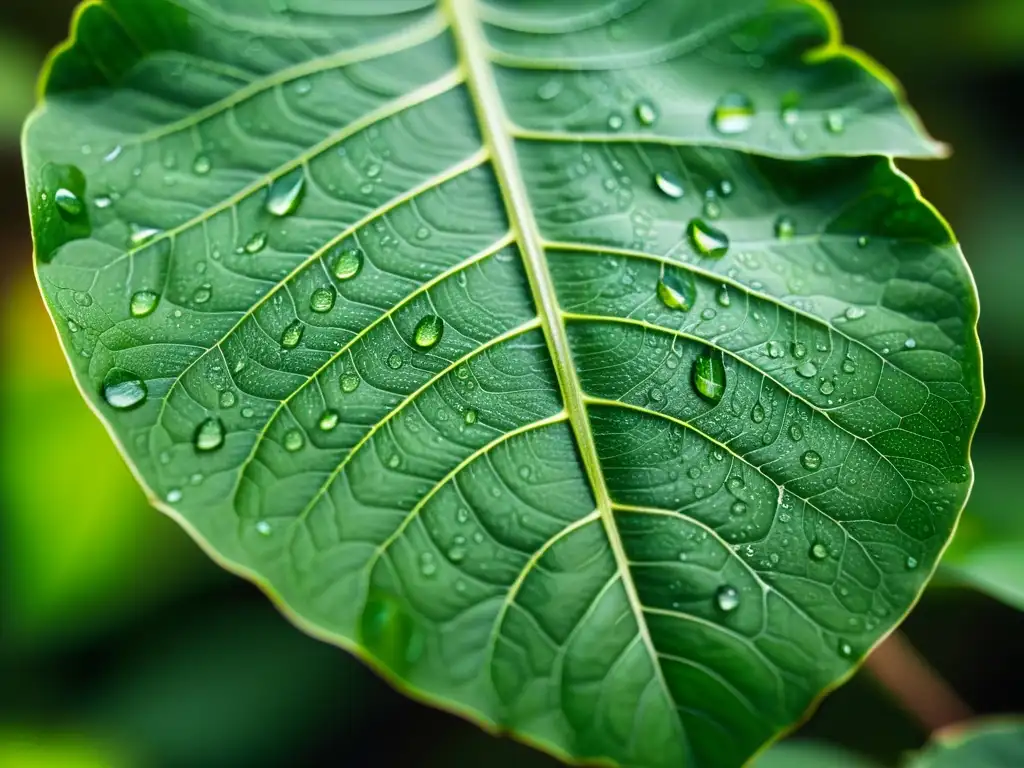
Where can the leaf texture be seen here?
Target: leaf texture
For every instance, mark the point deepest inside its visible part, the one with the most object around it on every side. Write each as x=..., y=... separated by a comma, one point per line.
x=587, y=366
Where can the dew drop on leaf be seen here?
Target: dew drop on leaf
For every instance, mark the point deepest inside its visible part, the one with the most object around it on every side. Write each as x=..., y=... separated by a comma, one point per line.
x=799, y=350
x=286, y=193
x=329, y=420
x=727, y=598
x=807, y=369
x=785, y=227
x=646, y=112
x=395, y=360
x=811, y=460
x=209, y=435
x=123, y=390
x=69, y=205
x=911, y=563
x=349, y=383
x=677, y=289
x=707, y=240
x=292, y=334
x=263, y=528
x=733, y=114
x=775, y=350
x=818, y=551
x=256, y=243
x=202, y=165
x=143, y=303
x=835, y=123
x=322, y=299
x=709, y=377
x=428, y=332
x=669, y=184
x=294, y=440
x=348, y=263
x=470, y=417
x=845, y=649
x=140, y=235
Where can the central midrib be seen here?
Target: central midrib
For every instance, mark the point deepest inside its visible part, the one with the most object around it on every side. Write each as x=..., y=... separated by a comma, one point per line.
x=490, y=110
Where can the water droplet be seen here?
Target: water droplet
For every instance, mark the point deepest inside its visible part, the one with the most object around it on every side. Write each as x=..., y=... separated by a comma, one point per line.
x=819, y=551
x=796, y=433
x=428, y=332
x=123, y=390
x=725, y=188
x=910, y=344
x=256, y=243
x=669, y=184
x=263, y=528
x=103, y=202
x=202, y=294
x=775, y=350
x=174, y=496
x=734, y=113
x=828, y=386
x=785, y=227
x=862, y=241
x=709, y=377
x=228, y=399
x=854, y=313
x=143, y=303
x=348, y=263
x=849, y=366
x=427, y=565
x=202, y=165
x=757, y=413
x=292, y=334
x=395, y=360
x=349, y=383
x=286, y=193
x=140, y=235
x=727, y=598
x=911, y=563
x=676, y=288
x=470, y=417
x=209, y=435
x=646, y=112
x=789, y=116
x=329, y=420
x=707, y=240
x=845, y=649
x=294, y=440
x=322, y=299
x=739, y=508
x=615, y=122
x=69, y=205
x=811, y=460
x=835, y=123
x=248, y=412
x=807, y=370
x=722, y=296
x=799, y=350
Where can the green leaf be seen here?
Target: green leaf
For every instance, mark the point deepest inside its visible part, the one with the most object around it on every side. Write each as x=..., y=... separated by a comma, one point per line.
x=987, y=552
x=810, y=754
x=994, y=743
x=409, y=366
x=48, y=750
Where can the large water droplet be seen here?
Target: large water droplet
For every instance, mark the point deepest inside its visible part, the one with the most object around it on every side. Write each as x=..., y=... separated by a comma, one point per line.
x=818, y=551
x=807, y=369
x=428, y=332
x=329, y=420
x=734, y=113
x=709, y=377
x=256, y=243
x=707, y=240
x=143, y=303
x=395, y=360
x=799, y=350
x=123, y=390
x=285, y=193
x=811, y=460
x=349, y=383
x=209, y=435
x=292, y=334
x=202, y=165
x=322, y=299
x=294, y=440
x=727, y=598
x=669, y=184
x=69, y=205
x=348, y=263
x=646, y=112
x=677, y=289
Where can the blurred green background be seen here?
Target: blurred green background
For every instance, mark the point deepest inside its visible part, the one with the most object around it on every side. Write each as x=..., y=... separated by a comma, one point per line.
x=122, y=645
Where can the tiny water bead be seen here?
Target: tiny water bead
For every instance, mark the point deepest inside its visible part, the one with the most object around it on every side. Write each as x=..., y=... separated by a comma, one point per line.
x=202, y=294
x=709, y=377
x=785, y=228
x=329, y=420
x=835, y=123
x=174, y=496
x=143, y=303
x=428, y=332
x=727, y=598
x=209, y=435
x=828, y=386
x=799, y=350
x=228, y=399
x=722, y=296
x=669, y=184
x=646, y=113
x=123, y=390
x=811, y=460
x=349, y=383
x=322, y=299
x=395, y=360
x=707, y=240
x=733, y=114
x=677, y=289
x=911, y=563
x=819, y=551
x=796, y=433
x=292, y=334
x=294, y=440
x=775, y=350
x=470, y=417
x=348, y=263
x=845, y=649
x=69, y=205
x=202, y=165
x=140, y=235
x=286, y=193
x=263, y=528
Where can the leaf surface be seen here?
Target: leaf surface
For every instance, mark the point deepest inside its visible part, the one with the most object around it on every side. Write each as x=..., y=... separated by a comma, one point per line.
x=992, y=743
x=531, y=350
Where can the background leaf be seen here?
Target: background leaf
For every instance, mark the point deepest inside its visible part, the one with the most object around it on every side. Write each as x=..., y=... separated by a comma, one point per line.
x=718, y=411
x=981, y=744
